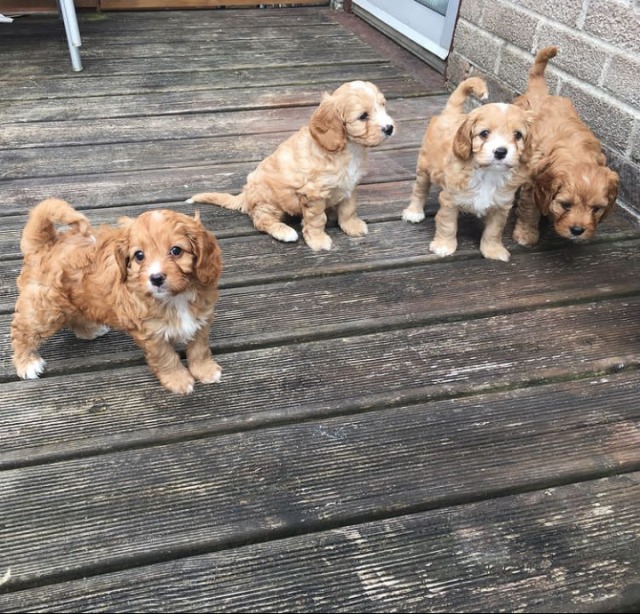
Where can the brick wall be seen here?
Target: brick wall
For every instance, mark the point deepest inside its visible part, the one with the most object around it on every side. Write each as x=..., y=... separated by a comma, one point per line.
x=598, y=65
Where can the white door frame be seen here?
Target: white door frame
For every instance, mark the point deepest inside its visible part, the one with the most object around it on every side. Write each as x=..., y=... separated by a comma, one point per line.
x=414, y=22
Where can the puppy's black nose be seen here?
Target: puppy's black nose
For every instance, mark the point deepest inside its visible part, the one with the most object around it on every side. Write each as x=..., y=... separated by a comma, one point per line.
x=388, y=130
x=576, y=231
x=500, y=153
x=157, y=279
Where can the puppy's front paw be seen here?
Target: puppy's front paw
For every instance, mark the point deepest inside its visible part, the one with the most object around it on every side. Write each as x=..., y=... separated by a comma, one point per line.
x=283, y=233
x=495, y=251
x=355, y=227
x=525, y=236
x=443, y=247
x=178, y=381
x=31, y=369
x=413, y=216
x=319, y=241
x=206, y=371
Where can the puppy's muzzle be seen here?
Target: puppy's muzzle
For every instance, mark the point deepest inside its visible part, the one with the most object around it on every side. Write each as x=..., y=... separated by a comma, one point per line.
x=157, y=279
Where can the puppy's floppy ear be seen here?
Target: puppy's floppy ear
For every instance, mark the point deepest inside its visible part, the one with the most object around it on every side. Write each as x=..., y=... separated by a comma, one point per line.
x=327, y=127
x=546, y=182
x=462, y=141
x=528, y=138
x=208, y=265
x=121, y=250
x=612, y=191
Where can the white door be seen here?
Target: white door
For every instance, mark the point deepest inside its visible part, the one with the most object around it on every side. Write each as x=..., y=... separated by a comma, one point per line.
x=427, y=23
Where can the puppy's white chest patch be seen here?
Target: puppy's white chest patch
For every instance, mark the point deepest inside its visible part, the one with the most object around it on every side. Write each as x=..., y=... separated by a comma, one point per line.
x=355, y=169
x=350, y=175
x=487, y=189
x=181, y=324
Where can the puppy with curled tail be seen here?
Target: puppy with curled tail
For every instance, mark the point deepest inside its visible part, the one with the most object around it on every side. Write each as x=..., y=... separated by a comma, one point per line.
x=479, y=161
x=154, y=277
x=568, y=180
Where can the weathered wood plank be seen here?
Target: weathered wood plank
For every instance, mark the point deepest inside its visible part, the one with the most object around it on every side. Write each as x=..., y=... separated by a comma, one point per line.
x=378, y=202
x=197, y=64
x=151, y=47
x=206, y=36
x=122, y=405
x=378, y=299
x=168, y=501
x=162, y=185
x=99, y=131
x=61, y=88
x=570, y=548
x=391, y=244
x=166, y=154
x=171, y=103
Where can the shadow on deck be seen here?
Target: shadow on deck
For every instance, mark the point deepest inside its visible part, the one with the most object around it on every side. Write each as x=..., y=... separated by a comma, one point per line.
x=393, y=431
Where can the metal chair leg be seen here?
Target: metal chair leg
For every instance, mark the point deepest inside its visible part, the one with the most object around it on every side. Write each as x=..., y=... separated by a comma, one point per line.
x=68, y=11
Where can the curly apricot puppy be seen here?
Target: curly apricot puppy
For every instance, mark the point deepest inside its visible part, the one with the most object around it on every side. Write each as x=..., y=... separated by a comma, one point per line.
x=569, y=181
x=315, y=169
x=479, y=161
x=154, y=277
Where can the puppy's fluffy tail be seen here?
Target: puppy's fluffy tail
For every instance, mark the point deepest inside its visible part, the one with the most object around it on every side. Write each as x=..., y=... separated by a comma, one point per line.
x=40, y=229
x=472, y=85
x=228, y=201
x=537, y=86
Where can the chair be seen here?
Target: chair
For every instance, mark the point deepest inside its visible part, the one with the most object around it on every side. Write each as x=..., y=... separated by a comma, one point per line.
x=68, y=12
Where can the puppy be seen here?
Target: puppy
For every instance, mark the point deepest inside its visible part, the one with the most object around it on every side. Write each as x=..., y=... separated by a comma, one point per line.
x=154, y=277
x=479, y=162
x=569, y=181
x=316, y=169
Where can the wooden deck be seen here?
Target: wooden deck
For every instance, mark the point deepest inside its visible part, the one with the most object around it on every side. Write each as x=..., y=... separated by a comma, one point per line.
x=393, y=431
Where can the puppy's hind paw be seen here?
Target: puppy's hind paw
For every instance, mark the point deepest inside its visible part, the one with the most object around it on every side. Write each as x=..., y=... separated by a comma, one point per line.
x=284, y=233
x=443, y=248
x=90, y=332
x=179, y=382
x=525, y=237
x=355, y=227
x=495, y=252
x=207, y=372
x=319, y=242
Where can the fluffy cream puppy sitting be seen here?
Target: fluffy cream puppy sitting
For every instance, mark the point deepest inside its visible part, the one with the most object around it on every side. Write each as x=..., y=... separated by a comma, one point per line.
x=316, y=169
x=479, y=161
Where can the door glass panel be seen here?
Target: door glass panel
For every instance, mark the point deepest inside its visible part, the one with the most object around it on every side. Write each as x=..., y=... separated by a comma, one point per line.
x=439, y=6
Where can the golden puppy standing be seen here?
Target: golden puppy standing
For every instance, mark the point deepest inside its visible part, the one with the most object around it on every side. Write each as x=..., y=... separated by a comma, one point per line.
x=569, y=181
x=154, y=277
x=479, y=162
x=316, y=169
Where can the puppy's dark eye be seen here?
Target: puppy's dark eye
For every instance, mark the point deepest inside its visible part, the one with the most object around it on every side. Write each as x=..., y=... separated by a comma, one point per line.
x=517, y=135
x=597, y=209
x=485, y=134
x=175, y=250
x=364, y=117
x=566, y=206
x=139, y=256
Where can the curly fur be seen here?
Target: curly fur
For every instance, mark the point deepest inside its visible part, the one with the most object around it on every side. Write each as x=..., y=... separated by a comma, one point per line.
x=568, y=181
x=154, y=277
x=316, y=169
x=479, y=161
